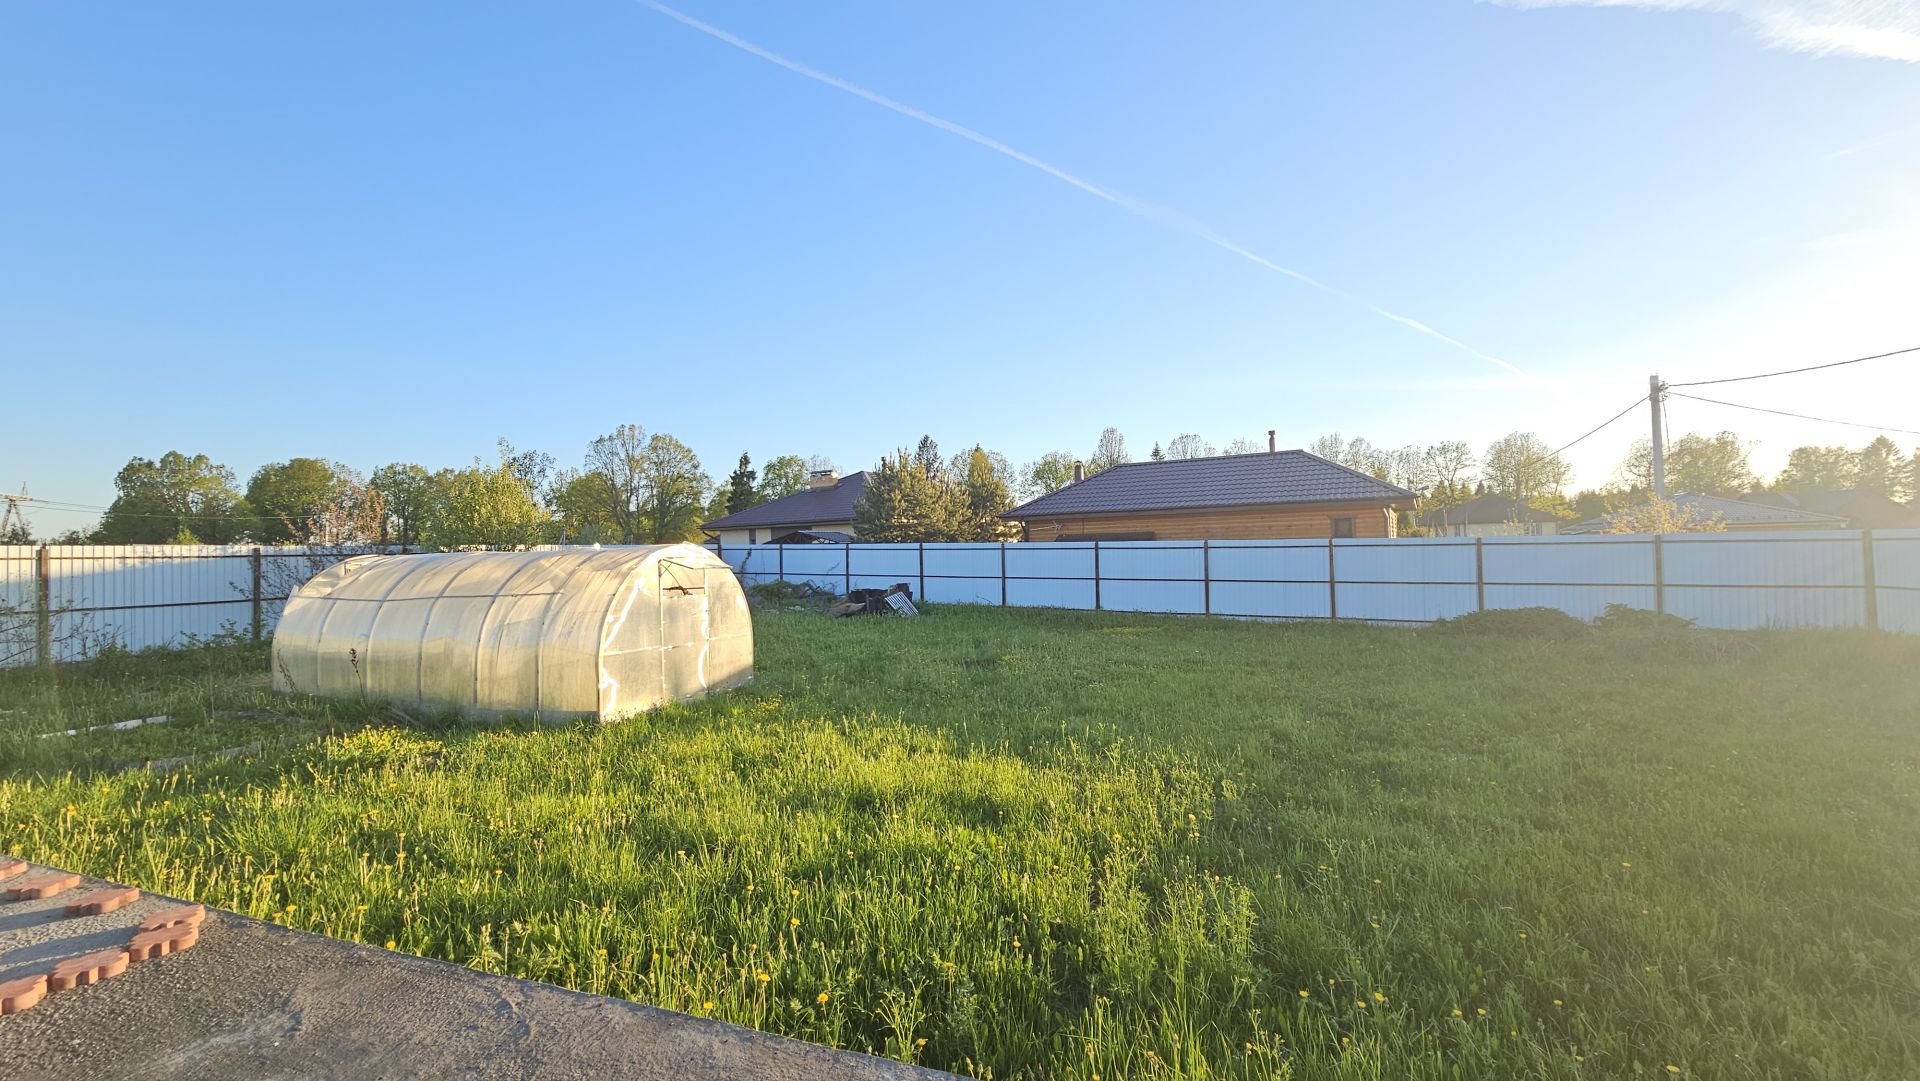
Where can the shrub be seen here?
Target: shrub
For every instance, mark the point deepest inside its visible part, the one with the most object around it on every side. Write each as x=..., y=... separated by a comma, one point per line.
x=1622, y=619
x=1544, y=624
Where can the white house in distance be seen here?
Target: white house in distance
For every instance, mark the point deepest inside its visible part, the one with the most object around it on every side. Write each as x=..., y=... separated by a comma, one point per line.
x=1490, y=516
x=821, y=514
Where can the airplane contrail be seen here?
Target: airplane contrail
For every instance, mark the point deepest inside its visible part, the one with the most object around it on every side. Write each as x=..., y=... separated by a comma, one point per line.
x=1134, y=206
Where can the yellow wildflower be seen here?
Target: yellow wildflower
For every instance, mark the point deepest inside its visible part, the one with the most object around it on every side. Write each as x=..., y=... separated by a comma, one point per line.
x=822, y=998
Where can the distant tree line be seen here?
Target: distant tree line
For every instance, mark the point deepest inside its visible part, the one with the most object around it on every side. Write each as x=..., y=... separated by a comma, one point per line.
x=632, y=486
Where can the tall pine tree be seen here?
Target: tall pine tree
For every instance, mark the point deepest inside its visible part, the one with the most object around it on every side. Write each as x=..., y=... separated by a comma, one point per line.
x=740, y=490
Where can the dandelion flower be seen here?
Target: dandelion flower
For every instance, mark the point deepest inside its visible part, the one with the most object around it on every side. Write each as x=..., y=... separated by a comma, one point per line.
x=602, y=951
x=1458, y=1013
x=1557, y=1003
x=1671, y=1068
x=707, y=1005
x=821, y=998
x=1360, y=1003
x=1480, y=1011
x=763, y=977
x=1378, y=997
x=1523, y=934
x=390, y=944
x=291, y=909
x=794, y=893
x=1303, y=992
x=1016, y=943
x=1629, y=863
x=793, y=921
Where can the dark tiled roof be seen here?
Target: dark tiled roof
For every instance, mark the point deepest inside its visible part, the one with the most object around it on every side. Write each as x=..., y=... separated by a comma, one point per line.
x=1230, y=480
x=1487, y=510
x=811, y=507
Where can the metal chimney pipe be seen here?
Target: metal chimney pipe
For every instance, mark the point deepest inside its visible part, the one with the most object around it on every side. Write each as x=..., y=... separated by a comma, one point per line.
x=1079, y=472
x=1273, y=446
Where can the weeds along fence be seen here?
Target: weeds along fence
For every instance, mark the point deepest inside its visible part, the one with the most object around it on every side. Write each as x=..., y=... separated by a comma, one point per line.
x=1728, y=580
x=66, y=602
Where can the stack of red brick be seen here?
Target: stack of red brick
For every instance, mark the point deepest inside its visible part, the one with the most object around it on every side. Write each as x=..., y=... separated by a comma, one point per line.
x=168, y=931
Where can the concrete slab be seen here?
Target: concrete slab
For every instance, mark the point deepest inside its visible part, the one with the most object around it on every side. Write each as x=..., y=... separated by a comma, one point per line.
x=255, y=1000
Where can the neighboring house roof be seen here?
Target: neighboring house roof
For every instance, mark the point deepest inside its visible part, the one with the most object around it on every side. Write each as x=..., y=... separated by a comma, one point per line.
x=1230, y=480
x=811, y=507
x=1734, y=513
x=1863, y=510
x=1487, y=510
x=814, y=536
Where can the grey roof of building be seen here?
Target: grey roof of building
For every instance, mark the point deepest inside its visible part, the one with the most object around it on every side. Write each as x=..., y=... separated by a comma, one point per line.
x=1487, y=510
x=1230, y=480
x=811, y=507
x=1733, y=512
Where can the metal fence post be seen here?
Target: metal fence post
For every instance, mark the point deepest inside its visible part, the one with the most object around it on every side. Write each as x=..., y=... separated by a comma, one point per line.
x=1096, y=576
x=846, y=566
x=923, y=572
x=780, y=561
x=1333, y=590
x=1003, y=574
x=43, y=606
x=1869, y=580
x=1480, y=574
x=1659, y=576
x=259, y=620
x=1206, y=577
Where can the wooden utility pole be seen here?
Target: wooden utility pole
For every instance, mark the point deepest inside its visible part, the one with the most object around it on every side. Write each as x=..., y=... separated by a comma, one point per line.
x=1657, y=393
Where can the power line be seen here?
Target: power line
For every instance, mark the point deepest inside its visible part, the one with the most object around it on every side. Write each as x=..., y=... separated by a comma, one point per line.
x=1630, y=408
x=1800, y=416
x=1796, y=371
x=91, y=508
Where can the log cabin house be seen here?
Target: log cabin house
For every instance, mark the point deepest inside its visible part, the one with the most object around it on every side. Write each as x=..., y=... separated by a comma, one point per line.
x=1275, y=495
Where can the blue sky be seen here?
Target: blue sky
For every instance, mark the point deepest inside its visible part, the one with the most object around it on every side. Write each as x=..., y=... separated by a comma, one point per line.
x=379, y=232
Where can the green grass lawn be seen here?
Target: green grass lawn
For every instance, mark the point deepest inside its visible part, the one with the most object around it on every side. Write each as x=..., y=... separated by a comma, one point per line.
x=1043, y=844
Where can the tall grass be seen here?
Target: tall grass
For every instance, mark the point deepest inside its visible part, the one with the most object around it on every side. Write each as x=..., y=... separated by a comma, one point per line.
x=1039, y=844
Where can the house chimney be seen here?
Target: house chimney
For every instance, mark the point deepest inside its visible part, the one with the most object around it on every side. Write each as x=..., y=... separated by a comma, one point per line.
x=1079, y=472
x=1273, y=447
x=822, y=478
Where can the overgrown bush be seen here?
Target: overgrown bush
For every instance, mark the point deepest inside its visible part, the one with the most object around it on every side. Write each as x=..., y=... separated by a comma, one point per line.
x=783, y=594
x=1542, y=624
x=1623, y=619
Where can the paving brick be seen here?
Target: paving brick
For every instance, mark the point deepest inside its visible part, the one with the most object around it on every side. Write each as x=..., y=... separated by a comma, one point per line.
x=35, y=887
x=148, y=945
x=10, y=867
x=86, y=970
x=167, y=917
x=101, y=902
x=17, y=995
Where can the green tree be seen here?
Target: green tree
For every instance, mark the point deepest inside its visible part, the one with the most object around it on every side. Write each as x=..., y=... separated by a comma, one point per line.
x=1051, y=472
x=1156, y=454
x=740, y=489
x=1449, y=467
x=485, y=505
x=1706, y=465
x=290, y=496
x=927, y=457
x=1521, y=466
x=582, y=505
x=1809, y=468
x=410, y=494
x=1111, y=451
x=984, y=488
x=902, y=503
x=161, y=501
x=781, y=477
x=1882, y=469
x=673, y=490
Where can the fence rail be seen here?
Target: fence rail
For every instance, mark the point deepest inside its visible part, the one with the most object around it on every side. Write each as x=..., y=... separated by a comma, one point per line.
x=64, y=602
x=1730, y=580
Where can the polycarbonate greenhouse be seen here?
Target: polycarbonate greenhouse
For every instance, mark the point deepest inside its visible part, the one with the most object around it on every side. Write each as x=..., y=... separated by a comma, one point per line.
x=586, y=632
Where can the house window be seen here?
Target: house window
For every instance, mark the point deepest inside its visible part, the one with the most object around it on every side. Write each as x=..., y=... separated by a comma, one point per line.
x=753, y=536
x=1343, y=527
